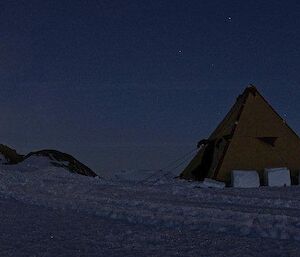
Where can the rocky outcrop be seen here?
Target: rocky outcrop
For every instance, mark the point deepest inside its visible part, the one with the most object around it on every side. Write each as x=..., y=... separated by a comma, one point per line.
x=9, y=156
x=64, y=160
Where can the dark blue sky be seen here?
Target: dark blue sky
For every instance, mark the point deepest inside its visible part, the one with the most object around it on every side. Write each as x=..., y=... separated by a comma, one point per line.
x=135, y=84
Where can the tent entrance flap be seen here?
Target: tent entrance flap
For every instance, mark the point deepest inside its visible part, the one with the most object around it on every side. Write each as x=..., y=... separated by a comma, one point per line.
x=201, y=172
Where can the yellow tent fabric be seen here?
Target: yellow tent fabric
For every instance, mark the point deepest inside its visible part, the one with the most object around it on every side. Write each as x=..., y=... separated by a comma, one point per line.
x=252, y=136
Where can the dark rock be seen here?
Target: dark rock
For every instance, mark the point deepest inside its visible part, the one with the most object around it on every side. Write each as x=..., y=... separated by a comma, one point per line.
x=11, y=156
x=64, y=160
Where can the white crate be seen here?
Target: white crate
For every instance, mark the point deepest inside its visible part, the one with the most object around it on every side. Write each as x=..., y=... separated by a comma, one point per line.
x=277, y=177
x=244, y=178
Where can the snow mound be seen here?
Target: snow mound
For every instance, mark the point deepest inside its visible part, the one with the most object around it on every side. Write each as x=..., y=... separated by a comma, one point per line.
x=55, y=158
x=43, y=159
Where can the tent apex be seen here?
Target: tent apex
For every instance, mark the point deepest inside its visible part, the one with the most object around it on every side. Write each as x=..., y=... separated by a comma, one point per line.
x=252, y=87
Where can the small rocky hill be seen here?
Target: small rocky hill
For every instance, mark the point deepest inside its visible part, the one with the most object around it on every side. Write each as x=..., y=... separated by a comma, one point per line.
x=63, y=160
x=9, y=156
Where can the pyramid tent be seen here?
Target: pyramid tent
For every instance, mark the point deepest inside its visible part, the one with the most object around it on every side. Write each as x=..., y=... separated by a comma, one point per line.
x=252, y=136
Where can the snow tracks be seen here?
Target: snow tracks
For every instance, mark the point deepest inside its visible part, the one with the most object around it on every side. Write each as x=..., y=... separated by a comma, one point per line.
x=265, y=212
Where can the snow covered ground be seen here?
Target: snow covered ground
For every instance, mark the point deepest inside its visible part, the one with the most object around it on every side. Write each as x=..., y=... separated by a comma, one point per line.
x=47, y=211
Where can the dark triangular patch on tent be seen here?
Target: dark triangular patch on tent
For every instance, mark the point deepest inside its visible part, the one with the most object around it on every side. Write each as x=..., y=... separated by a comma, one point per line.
x=268, y=140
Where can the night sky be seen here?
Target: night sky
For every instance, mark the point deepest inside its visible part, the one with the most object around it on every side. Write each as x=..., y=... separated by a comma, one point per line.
x=135, y=84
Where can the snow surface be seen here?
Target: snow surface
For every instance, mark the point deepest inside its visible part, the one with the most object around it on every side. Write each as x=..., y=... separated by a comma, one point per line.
x=277, y=177
x=141, y=176
x=52, y=212
x=245, y=178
